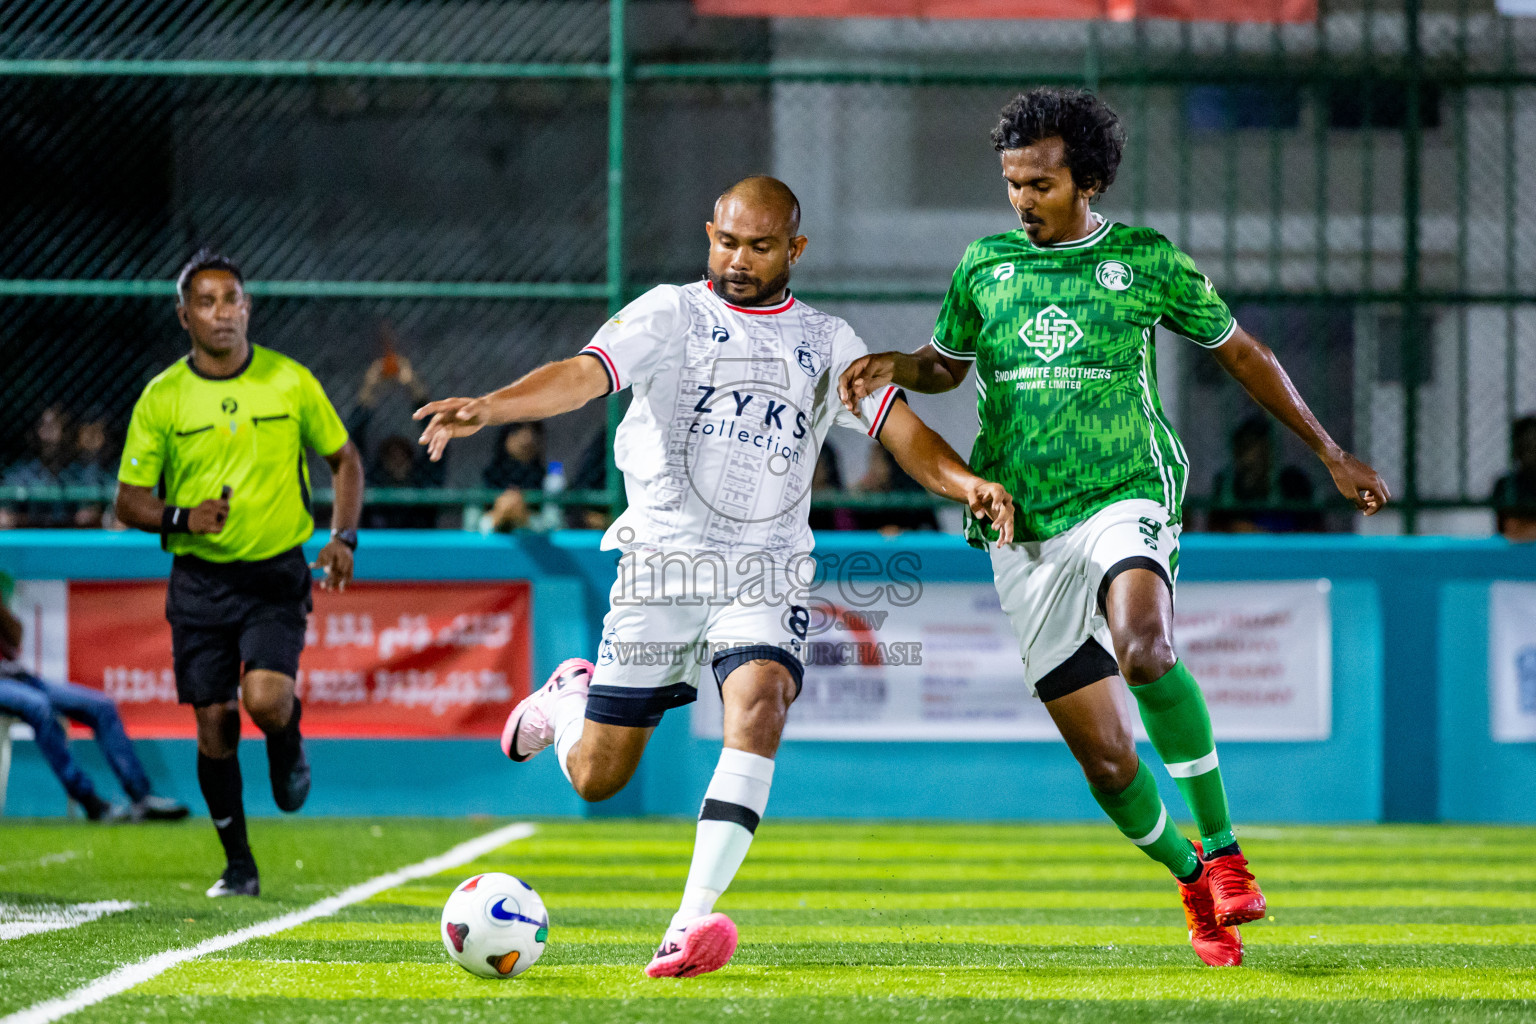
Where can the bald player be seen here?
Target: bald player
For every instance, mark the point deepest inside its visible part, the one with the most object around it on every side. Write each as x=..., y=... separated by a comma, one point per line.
x=735, y=388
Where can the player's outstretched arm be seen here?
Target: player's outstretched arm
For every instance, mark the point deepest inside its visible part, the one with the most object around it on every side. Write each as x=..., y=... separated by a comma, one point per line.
x=930, y=461
x=548, y=391
x=1254, y=366
x=925, y=371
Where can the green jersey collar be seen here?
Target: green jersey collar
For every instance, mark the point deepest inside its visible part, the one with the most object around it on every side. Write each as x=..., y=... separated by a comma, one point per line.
x=1092, y=238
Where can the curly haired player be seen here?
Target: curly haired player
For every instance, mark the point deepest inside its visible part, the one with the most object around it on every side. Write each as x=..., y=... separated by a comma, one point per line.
x=1058, y=318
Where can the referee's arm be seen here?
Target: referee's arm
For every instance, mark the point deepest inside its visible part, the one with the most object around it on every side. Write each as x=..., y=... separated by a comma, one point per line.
x=346, y=511
x=142, y=509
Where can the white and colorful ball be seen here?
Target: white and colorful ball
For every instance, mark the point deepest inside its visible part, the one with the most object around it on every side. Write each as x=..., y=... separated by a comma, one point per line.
x=494, y=925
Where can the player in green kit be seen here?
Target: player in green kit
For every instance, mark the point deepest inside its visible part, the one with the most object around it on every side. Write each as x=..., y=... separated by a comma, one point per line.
x=1058, y=319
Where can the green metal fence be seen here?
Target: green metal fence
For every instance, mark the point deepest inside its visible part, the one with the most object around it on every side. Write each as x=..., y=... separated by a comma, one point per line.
x=490, y=176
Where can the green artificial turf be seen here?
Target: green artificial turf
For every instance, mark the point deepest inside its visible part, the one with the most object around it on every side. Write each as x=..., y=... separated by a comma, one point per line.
x=839, y=922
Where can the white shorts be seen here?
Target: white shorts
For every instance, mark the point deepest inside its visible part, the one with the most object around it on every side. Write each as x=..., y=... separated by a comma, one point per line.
x=1053, y=590
x=663, y=630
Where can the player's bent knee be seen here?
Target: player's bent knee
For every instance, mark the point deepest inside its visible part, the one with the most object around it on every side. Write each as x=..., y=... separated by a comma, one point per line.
x=1111, y=773
x=1145, y=659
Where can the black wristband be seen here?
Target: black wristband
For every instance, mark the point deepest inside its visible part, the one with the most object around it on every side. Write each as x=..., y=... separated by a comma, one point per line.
x=175, y=520
x=347, y=537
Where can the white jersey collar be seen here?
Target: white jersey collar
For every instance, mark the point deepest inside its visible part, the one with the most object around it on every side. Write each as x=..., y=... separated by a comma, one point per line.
x=789, y=300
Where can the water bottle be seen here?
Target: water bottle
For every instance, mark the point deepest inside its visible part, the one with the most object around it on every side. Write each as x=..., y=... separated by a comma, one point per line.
x=551, y=516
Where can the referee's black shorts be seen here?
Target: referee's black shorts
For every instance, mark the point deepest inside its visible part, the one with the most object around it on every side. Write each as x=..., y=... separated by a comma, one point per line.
x=228, y=618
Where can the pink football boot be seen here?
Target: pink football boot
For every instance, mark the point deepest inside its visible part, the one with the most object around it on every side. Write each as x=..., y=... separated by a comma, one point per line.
x=702, y=945
x=531, y=725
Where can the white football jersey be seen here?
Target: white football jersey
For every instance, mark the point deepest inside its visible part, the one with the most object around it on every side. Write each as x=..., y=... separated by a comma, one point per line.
x=731, y=406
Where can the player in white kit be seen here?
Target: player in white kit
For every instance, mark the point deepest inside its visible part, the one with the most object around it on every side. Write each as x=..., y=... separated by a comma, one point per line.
x=735, y=388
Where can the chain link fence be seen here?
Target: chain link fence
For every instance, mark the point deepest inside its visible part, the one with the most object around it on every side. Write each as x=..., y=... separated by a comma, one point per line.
x=470, y=185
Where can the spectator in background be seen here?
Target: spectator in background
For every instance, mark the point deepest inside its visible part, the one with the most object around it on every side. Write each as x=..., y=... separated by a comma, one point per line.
x=883, y=476
x=519, y=457
x=40, y=703
x=397, y=462
x=94, y=465
x=1243, y=492
x=50, y=443
x=517, y=465
x=828, y=479
x=1514, y=496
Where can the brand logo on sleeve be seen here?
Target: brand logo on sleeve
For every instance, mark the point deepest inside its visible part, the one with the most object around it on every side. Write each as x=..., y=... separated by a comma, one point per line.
x=1114, y=275
x=721, y=335
x=1002, y=272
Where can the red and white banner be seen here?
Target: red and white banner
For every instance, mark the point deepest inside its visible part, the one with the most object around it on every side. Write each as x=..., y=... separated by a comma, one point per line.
x=406, y=660
x=1262, y=11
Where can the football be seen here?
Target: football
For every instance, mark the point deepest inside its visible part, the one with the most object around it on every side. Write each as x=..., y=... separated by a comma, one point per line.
x=494, y=926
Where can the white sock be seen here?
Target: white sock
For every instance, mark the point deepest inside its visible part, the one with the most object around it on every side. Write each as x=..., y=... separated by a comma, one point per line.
x=570, y=719
x=733, y=805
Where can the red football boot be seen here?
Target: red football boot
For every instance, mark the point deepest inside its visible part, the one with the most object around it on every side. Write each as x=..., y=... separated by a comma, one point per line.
x=1214, y=944
x=1233, y=889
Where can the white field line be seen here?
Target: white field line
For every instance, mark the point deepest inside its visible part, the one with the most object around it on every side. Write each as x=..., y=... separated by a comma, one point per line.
x=16, y=921
x=129, y=975
x=42, y=862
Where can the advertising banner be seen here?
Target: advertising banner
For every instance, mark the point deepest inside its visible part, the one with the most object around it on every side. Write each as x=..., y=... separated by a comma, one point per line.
x=1264, y=11
x=1512, y=662
x=406, y=660
x=946, y=666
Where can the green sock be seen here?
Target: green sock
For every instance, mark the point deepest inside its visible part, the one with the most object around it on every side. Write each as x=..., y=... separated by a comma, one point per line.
x=1179, y=726
x=1142, y=818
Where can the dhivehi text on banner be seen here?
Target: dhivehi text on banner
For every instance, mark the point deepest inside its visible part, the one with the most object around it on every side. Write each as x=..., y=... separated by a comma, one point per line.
x=409, y=660
x=947, y=667
x=1512, y=662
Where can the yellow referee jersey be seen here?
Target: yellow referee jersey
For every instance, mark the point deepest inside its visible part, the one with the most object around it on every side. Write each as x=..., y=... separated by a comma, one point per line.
x=247, y=432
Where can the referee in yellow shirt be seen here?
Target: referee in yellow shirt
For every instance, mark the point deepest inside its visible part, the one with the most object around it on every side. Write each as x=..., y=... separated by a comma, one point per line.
x=214, y=463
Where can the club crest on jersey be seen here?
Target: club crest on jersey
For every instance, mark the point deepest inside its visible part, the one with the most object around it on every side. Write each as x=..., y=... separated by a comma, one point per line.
x=1050, y=333
x=1114, y=275
x=1002, y=272
x=721, y=335
x=809, y=360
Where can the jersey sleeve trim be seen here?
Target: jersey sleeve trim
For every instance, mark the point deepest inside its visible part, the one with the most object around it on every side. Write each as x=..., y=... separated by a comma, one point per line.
x=596, y=351
x=1220, y=339
x=891, y=394
x=945, y=350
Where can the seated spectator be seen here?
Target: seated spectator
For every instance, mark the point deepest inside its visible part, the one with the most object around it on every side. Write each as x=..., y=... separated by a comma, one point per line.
x=398, y=462
x=519, y=457
x=40, y=703
x=509, y=512
x=1514, y=496
x=1243, y=493
x=827, y=479
x=883, y=476
x=50, y=443
x=94, y=465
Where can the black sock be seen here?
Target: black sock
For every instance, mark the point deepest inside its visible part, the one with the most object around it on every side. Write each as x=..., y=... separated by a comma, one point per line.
x=1230, y=848
x=1193, y=876
x=220, y=782
x=283, y=745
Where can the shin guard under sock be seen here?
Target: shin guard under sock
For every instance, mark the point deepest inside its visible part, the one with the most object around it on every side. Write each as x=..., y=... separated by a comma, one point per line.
x=220, y=782
x=1142, y=818
x=733, y=806
x=1179, y=726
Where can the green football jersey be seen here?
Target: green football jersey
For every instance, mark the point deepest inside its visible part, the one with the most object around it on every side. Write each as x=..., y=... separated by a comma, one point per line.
x=1066, y=368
